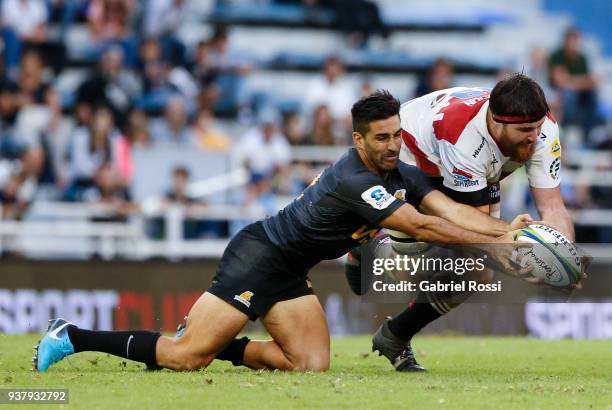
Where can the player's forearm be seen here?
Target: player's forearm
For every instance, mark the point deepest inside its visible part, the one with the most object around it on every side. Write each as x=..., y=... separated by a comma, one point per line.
x=472, y=219
x=438, y=230
x=561, y=220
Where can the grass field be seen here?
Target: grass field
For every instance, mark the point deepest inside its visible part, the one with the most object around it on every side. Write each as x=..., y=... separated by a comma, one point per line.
x=470, y=373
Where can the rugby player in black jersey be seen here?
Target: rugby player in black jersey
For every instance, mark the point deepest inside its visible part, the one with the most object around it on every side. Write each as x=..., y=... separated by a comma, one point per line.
x=263, y=272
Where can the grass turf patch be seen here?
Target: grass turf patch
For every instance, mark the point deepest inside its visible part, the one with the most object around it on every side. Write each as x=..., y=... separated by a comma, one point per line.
x=464, y=372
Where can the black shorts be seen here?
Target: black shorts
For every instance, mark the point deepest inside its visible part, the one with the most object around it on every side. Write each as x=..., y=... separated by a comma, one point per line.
x=254, y=274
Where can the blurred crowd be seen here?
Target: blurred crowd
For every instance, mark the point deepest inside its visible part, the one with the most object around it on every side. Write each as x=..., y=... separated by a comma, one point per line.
x=144, y=87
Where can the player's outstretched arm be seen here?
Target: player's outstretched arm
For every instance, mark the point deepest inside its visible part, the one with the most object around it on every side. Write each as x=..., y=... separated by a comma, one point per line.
x=469, y=217
x=432, y=229
x=552, y=210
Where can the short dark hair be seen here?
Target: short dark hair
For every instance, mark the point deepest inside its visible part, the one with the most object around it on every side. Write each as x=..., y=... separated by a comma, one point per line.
x=518, y=96
x=379, y=105
x=571, y=32
x=180, y=171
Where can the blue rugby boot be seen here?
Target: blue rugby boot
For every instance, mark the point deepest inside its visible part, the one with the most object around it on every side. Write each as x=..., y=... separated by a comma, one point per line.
x=54, y=346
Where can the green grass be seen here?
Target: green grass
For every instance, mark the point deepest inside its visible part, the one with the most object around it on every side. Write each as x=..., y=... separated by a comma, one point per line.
x=470, y=373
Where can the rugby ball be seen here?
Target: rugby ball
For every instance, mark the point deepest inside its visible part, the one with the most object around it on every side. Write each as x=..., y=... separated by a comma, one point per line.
x=406, y=244
x=553, y=256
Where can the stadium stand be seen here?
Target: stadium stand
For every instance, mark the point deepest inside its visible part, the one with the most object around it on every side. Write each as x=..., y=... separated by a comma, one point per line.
x=217, y=67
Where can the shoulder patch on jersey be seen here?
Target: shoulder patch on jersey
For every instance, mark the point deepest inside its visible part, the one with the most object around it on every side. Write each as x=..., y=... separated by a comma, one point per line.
x=400, y=194
x=555, y=149
x=555, y=168
x=551, y=117
x=462, y=108
x=377, y=197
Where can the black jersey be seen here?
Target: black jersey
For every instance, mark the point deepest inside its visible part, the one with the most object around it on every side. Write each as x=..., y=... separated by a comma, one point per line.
x=342, y=208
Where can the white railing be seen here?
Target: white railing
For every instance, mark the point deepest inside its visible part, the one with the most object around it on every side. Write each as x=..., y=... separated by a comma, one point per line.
x=60, y=229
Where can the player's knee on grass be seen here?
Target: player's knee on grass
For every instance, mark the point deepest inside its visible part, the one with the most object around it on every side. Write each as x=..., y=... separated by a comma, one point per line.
x=319, y=363
x=311, y=363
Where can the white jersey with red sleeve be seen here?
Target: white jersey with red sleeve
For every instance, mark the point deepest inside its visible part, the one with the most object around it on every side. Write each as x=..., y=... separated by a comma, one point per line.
x=445, y=134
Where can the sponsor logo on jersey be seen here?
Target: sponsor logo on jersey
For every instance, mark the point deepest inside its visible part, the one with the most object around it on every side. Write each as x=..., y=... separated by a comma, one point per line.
x=469, y=93
x=463, y=178
x=480, y=147
x=471, y=96
x=245, y=298
x=556, y=148
x=400, y=194
x=555, y=168
x=377, y=197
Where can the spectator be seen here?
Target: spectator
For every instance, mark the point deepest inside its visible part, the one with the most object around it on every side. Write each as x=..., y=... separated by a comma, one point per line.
x=21, y=186
x=173, y=127
x=90, y=148
x=333, y=90
x=23, y=21
x=201, y=65
x=162, y=19
x=322, y=132
x=206, y=135
x=135, y=133
x=28, y=18
x=110, y=19
x=154, y=72
x=138, y=128
x=193, y=225
x=537, y=69
x=66, y=12
x=230, y=69
x=110, y=24
x=177, y=194
x=439, y=76
x=266, y=154
x=570, y=74
x=108, y=189
x=32, y=167
x=9, y=146
x=12, y=206
x=112, y=85
x=44, y=143
x=294, y=129
x=33, y=90
x=358, y=20
x=205, y=74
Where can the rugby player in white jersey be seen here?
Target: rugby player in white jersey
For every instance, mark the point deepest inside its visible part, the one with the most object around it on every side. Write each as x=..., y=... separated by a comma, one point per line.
x=467, y=140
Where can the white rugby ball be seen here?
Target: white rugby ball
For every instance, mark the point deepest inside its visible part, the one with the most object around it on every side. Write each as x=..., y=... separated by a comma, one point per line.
x=406, y=244
x=553, y=256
